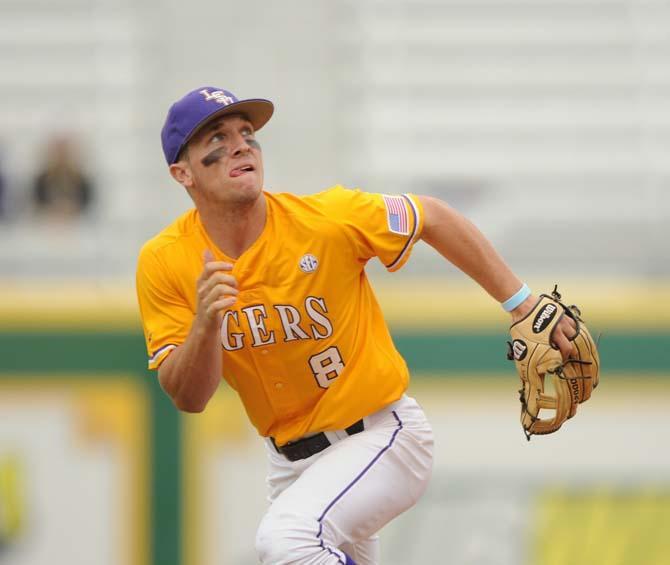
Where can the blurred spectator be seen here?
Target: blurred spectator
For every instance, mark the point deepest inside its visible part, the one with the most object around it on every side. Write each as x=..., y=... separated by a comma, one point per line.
x=61, y=190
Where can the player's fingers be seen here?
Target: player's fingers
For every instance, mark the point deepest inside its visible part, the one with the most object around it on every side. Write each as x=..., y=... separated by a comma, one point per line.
x=205, y=286
x=222, y=277
x=214, y=266
x=218, y=292
x=210, y=265
x=206, y=299
x=216, y=307
x=569, y=327
x=561, y=341
x=212, y=269
x=207, y=256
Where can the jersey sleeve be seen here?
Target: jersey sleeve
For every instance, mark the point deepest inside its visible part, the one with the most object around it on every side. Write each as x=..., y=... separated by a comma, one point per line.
x=380, y=225
x=166, y=315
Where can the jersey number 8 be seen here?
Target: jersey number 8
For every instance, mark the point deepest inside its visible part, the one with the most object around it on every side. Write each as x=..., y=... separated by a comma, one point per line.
x=326, y=366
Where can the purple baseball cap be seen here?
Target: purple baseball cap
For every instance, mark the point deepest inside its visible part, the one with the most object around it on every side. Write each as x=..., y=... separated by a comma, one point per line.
x=187, y=115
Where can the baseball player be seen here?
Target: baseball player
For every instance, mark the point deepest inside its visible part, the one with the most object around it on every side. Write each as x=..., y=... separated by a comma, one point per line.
x=269, y=291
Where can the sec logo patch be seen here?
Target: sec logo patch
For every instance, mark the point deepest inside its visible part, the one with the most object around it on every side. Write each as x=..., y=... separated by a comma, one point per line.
x=308, y=263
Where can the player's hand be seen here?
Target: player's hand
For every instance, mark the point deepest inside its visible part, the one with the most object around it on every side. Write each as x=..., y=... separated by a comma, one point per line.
x=563, y=333
x=217, y=289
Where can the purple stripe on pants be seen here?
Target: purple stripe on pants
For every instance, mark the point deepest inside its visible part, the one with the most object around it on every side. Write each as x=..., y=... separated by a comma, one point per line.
x=352, y=483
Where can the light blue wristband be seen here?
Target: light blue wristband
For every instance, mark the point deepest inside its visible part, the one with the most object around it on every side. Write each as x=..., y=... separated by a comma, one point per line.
x=517, y=298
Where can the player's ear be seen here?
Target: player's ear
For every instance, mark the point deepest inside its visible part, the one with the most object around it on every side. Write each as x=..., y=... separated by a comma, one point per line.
x=181, y=172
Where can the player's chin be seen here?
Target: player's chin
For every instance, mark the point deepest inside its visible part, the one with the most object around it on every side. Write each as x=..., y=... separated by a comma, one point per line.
x=247, y=187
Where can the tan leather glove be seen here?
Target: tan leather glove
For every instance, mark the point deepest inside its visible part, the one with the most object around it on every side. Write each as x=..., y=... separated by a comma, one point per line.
x=536, y=357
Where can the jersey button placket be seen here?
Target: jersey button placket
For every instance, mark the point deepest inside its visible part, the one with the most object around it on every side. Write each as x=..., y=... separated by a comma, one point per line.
x=277, y=384
x=267, y=363
x=270, y=364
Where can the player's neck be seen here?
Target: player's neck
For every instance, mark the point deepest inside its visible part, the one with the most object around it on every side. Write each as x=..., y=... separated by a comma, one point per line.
x=234, y=229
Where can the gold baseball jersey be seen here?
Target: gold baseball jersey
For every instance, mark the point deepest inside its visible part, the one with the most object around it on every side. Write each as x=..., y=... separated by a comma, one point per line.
x=305, y=346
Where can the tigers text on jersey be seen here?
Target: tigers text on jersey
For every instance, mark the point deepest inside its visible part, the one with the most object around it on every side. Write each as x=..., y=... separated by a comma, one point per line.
x=305, y=345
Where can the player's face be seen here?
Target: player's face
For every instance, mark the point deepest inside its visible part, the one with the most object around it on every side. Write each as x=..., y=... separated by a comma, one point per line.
x=224, y=162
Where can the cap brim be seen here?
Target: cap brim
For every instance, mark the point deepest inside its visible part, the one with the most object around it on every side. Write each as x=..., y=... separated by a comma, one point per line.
x=257, y=110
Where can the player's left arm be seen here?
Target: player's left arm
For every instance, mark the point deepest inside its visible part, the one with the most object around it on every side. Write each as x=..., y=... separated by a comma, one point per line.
x=459, y=241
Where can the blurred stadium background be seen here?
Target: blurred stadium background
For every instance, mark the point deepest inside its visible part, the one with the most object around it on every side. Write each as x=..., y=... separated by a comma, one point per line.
x=546, y=122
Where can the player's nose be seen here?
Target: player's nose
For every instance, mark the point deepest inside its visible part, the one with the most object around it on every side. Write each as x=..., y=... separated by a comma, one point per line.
x=240, y=146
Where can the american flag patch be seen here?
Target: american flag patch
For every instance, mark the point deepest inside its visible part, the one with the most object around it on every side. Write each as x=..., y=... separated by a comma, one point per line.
x=396, y=214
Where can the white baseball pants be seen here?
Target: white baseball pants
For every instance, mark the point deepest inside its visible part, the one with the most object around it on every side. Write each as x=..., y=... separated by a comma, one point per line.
x=328, y=508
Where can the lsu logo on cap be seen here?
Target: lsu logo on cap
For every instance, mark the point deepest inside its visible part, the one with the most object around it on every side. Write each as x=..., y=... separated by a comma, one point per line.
x=219, y=96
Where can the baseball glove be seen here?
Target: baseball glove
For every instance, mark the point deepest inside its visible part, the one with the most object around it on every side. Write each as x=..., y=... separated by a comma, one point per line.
x=536, y=358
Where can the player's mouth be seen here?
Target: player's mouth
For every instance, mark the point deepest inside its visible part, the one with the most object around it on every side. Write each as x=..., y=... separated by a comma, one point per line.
x=242, y=170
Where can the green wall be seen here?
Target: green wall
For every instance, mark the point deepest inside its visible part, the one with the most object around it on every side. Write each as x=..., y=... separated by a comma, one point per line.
x=73, y=353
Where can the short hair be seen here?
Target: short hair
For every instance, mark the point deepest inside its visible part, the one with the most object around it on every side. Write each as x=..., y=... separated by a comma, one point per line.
x=183, y=154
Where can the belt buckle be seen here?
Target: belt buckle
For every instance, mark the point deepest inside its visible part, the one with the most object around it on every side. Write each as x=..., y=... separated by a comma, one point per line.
x=304, y=448
x=308, y=446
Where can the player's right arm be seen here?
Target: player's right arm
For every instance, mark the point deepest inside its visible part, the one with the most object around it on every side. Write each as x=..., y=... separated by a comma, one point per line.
x=183, y=332
x=191, y=373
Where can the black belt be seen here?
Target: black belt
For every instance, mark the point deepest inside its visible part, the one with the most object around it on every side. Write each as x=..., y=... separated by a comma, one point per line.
x=308, y=446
